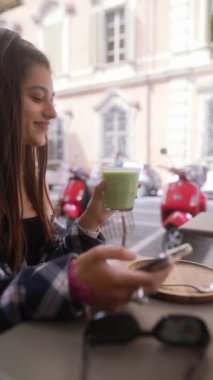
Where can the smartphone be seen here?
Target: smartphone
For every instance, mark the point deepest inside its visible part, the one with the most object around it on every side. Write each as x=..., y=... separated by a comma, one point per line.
x=170, y=256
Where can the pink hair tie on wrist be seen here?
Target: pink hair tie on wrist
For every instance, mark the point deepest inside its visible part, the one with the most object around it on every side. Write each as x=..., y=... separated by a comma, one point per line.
x=78, y=290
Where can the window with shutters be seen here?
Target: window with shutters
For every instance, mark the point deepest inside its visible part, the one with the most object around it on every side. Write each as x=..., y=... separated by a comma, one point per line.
x=54, y=34
x=112, y=33
x=211, y=20
x=115, y=35
x=52, y=44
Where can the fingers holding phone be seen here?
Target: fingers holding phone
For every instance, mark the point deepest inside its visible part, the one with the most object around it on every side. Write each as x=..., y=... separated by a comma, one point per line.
x=160, y=266
x=164, y=259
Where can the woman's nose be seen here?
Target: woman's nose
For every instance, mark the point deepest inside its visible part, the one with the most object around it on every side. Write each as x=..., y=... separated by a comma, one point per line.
x=49, y=111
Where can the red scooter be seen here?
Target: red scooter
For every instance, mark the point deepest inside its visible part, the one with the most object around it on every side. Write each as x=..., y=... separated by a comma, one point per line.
x=75, y=196
x=182, y=200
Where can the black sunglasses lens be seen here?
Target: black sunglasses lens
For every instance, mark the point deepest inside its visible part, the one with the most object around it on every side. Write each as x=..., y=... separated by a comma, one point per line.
x=111, y=329
x=182, y=331
x=177, y=330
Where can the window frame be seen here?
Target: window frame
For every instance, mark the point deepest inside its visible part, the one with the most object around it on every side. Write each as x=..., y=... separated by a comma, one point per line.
x=98, y=33
x=55, y=137
x=59, y=17
x=115, y=133
x=116, y=98
x=208, y=126
x=117, y=50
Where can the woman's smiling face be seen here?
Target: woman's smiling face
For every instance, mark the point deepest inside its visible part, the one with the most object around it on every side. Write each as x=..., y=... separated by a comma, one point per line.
x=37, y=105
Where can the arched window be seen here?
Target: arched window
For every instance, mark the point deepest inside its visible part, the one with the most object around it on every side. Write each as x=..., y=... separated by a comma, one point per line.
x=115, y=133
x=116, y=117
x=56, y=140
x=207, y=143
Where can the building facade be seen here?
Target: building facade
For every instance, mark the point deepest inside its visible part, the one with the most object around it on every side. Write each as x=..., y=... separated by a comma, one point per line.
x=132, y=78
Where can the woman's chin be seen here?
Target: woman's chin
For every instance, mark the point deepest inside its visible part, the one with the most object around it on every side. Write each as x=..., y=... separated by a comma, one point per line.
x=36, y=142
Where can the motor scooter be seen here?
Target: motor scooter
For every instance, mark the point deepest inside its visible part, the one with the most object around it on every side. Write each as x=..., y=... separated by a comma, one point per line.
x=75, y=196
x=181, y=200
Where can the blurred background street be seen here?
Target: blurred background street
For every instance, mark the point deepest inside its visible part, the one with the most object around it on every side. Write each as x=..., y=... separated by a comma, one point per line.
x=146, y=239
x=133, y=81
x=145, y=231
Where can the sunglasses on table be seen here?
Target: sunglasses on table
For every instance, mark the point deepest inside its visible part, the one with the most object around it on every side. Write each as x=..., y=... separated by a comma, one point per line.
x=177, y=330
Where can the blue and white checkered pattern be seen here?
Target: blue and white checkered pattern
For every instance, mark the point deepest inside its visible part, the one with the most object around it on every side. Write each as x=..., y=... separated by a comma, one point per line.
x=42, y=292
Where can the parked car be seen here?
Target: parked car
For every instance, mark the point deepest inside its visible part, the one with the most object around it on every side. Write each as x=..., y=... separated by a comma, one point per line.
x=149, y=180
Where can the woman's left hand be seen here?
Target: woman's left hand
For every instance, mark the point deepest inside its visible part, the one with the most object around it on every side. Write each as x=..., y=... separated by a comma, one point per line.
x=113, y=286
x=95, y=214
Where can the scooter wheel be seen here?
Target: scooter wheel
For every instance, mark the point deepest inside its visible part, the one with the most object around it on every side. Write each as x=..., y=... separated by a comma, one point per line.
x=172, y=238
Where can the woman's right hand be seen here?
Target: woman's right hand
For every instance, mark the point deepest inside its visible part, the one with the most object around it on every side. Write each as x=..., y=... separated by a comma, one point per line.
x=113, y=286
x=95, y=213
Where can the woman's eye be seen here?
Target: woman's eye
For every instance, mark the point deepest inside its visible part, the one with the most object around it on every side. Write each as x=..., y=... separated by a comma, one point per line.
x=37, y=98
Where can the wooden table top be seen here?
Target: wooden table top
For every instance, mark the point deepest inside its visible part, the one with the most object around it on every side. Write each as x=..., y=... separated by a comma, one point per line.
x=53, y=351
x=201, y=224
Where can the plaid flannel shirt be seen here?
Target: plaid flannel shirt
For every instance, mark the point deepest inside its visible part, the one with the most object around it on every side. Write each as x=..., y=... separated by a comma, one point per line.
x=42, y=292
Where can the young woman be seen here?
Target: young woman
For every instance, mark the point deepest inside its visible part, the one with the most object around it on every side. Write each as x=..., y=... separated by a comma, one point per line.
x=42, y=274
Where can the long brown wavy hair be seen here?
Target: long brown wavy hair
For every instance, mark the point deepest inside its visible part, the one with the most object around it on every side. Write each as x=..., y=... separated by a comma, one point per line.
x=17, y=56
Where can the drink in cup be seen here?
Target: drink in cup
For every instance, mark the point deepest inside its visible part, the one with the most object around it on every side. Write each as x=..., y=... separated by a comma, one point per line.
x=121, y=187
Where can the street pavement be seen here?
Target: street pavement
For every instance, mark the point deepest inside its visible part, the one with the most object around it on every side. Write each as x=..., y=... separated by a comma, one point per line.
x=144, y=231
x=146, y=237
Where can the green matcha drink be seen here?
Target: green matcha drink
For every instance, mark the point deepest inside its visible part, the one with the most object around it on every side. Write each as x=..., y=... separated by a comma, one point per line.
x=121, y=187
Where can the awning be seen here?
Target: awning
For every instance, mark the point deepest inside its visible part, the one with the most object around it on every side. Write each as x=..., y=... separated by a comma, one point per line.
x=8, y=4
